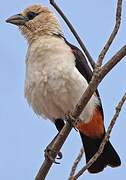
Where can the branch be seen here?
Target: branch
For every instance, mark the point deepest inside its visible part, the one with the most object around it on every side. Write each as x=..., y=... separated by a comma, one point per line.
x=113, y=34
x=72, y=29
x=98, y=75
x=75, y=164
x=106, y=138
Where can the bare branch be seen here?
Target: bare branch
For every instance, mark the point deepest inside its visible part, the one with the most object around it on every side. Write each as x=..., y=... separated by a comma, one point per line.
x=75, y=164
x=106, y=138
x=86, y=52
x=113, y=34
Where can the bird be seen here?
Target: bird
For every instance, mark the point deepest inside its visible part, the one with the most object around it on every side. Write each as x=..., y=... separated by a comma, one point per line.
x=57, y=74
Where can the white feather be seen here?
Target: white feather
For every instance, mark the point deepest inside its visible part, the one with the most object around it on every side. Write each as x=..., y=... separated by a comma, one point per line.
x=53, y=85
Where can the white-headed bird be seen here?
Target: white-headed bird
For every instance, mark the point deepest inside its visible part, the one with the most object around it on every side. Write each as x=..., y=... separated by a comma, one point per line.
x=57, y=74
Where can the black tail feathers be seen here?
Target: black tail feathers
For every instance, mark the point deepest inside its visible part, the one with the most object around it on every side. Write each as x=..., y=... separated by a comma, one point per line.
x=108, y=157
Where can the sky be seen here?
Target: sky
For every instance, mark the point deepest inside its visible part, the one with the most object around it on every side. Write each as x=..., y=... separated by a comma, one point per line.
x=23, y=135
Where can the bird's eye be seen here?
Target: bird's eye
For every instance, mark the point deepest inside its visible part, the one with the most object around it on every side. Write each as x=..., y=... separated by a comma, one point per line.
x=31, y=15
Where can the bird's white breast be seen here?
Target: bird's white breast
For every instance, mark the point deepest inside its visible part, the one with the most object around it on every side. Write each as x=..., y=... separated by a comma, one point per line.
x=53, y=85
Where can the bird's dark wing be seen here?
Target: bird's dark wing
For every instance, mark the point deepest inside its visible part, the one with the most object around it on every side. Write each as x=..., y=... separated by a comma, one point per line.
x=83, y=67
x=81, y=62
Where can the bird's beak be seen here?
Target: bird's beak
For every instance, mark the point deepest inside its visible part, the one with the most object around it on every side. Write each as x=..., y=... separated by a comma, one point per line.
x=17, y=19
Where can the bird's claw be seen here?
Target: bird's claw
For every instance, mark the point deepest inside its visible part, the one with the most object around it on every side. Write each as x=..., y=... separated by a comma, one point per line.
x=70, y=119
x=60, y=156
x=49, y=153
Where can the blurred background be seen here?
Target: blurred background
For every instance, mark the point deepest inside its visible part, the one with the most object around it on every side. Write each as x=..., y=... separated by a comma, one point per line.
x=23, y=135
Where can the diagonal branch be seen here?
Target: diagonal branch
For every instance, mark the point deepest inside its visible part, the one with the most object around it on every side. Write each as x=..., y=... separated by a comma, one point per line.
x=113, y=34
x=106, y=138
x=86, y=52
x=75, y=164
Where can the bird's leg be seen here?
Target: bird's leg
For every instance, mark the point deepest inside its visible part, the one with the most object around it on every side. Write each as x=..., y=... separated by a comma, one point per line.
x=49, y=152
x=59, y=123
x=71, y=120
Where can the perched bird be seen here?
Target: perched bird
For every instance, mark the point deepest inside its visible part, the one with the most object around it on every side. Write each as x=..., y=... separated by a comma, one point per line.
x=57, y=74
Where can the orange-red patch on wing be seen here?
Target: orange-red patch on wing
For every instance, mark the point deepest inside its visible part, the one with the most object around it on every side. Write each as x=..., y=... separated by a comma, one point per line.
x=94, y=128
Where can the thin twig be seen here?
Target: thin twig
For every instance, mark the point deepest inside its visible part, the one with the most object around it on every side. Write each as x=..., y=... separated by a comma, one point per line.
x=113, y=34
x=106, y=138
x=75, y=164
x=86, y=52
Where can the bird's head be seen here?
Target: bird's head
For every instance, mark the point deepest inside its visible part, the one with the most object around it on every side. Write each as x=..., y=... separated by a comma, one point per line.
x=35, y=21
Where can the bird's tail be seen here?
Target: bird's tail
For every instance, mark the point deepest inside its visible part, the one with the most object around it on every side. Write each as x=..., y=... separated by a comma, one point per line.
x=108, y=157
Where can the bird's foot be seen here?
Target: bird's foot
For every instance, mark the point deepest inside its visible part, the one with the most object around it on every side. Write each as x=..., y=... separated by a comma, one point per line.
x=71, y=120
x=50, y=154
